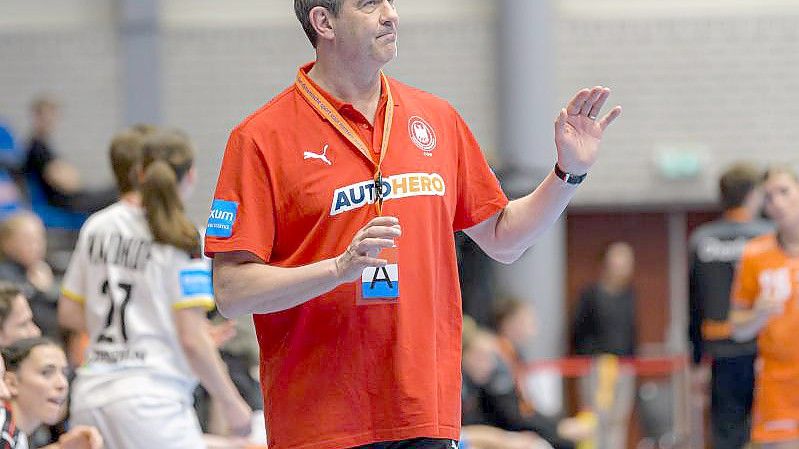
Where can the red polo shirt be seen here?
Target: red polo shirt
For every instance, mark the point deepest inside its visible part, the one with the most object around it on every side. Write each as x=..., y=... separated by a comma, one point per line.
x=336, y=374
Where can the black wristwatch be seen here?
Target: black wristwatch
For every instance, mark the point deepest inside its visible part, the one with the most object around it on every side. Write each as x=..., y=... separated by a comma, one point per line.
x=569, y=178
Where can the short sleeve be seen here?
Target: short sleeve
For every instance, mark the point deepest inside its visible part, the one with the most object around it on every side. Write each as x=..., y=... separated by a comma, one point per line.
x=190, y=283
x=745, y=288
x=73, y=285
x=242, y=214
x=479, y=193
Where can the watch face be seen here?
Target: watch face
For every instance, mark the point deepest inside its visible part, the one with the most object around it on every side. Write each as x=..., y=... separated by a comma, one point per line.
x=568, y=177
x=575, y=179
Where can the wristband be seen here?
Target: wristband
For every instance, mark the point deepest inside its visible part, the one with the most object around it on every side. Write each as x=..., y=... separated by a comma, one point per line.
x=569, y=178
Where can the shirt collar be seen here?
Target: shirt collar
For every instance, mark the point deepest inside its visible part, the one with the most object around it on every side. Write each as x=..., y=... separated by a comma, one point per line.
x=739, y=214
x=339, y=104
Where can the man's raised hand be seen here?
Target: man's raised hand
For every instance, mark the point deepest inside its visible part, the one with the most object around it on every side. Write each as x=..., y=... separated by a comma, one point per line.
x=578, y=132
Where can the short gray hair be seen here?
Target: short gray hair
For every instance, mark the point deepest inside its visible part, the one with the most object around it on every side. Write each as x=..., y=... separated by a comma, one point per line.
x=302, y=8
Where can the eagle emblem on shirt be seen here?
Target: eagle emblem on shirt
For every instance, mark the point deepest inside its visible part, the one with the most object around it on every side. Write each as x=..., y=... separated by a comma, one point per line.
x=422, y=134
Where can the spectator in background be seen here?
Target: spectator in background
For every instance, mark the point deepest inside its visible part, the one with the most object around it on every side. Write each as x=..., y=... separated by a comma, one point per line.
x=516, y=327
x=16, y=319
x=4, y=393
x=765, y=298
x=17, y=323
x=23, y=245
x=53, y=184
x=37, y=382
x=605, y=319
x=490, y=395
x=604, y=323
x=715, y=250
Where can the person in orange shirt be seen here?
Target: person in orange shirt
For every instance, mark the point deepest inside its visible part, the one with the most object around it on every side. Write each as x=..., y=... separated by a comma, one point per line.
x=358, y=347
x=766, y=300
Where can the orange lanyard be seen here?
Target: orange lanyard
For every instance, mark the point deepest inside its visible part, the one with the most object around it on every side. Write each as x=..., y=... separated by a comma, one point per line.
x=329, y=113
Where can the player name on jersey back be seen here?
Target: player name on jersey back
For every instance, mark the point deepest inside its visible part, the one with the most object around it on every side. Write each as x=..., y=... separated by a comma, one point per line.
x=115, y=249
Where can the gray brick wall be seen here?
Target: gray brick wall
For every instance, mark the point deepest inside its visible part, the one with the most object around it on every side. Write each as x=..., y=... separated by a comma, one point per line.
x=705, y=74
x=78, y=65
x=726, y=83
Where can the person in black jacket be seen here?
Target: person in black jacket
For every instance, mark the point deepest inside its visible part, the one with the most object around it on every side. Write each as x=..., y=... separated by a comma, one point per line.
x=490, y=395
x=58, y=180
x=715, y=250
x=605, y=323
x=23, y=246
x=605, y=319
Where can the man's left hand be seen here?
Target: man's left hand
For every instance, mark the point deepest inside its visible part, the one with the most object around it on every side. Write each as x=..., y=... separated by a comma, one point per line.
x=578, y=132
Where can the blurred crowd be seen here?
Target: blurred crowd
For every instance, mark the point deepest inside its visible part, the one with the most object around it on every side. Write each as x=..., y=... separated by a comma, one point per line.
x=44, y=206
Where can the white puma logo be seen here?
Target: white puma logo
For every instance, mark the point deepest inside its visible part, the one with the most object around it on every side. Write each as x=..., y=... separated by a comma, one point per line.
x=322, y=157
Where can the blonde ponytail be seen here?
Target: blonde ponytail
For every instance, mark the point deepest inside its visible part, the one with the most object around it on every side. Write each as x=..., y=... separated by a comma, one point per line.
x=166, y=158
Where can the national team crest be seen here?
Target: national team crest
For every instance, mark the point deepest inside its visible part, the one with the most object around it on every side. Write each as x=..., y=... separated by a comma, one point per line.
x=422, y=134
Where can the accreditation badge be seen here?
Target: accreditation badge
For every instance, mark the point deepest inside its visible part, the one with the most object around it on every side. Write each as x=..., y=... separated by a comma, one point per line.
x=380, y=285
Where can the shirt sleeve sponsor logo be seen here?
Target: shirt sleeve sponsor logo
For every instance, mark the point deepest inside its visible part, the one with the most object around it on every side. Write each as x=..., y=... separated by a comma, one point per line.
x=220, y=222
x=405, y=185
x=196, y=282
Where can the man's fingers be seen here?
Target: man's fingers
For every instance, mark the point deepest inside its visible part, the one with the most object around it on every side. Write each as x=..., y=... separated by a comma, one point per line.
x=610, y=117
x=372, y=244
x=382, y=221
x=560, y=120
x=381, y=232
x=600, y=101
x=596, y=92
x=372, y=262
x=576, y=103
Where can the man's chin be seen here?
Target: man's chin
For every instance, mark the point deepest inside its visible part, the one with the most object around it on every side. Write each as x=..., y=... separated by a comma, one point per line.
x=388, y=54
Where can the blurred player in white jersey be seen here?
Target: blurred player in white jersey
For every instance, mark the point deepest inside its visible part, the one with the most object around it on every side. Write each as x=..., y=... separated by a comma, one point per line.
x=138, y=286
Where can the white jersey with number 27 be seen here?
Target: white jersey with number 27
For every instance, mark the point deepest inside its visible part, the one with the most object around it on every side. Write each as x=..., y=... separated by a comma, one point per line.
x=130, y=287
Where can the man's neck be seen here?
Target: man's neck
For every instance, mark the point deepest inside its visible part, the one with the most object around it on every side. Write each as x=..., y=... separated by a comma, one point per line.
x=361, y=88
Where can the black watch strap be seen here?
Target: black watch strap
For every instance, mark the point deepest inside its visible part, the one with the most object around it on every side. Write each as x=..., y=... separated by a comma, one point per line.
x=569, y=178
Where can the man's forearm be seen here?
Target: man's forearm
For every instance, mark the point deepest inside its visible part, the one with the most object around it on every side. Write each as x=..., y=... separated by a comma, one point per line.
x=524, y=220
x=253, y=287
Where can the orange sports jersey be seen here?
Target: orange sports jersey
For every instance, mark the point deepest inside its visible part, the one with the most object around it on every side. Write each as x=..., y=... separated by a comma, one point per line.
x=293, y=190
x=766, y=269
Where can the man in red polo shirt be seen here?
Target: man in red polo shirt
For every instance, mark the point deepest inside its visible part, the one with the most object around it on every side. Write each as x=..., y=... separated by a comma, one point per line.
x=332, y=224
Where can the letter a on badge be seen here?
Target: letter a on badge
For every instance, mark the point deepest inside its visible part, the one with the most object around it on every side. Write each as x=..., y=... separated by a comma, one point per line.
x=381, y=284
